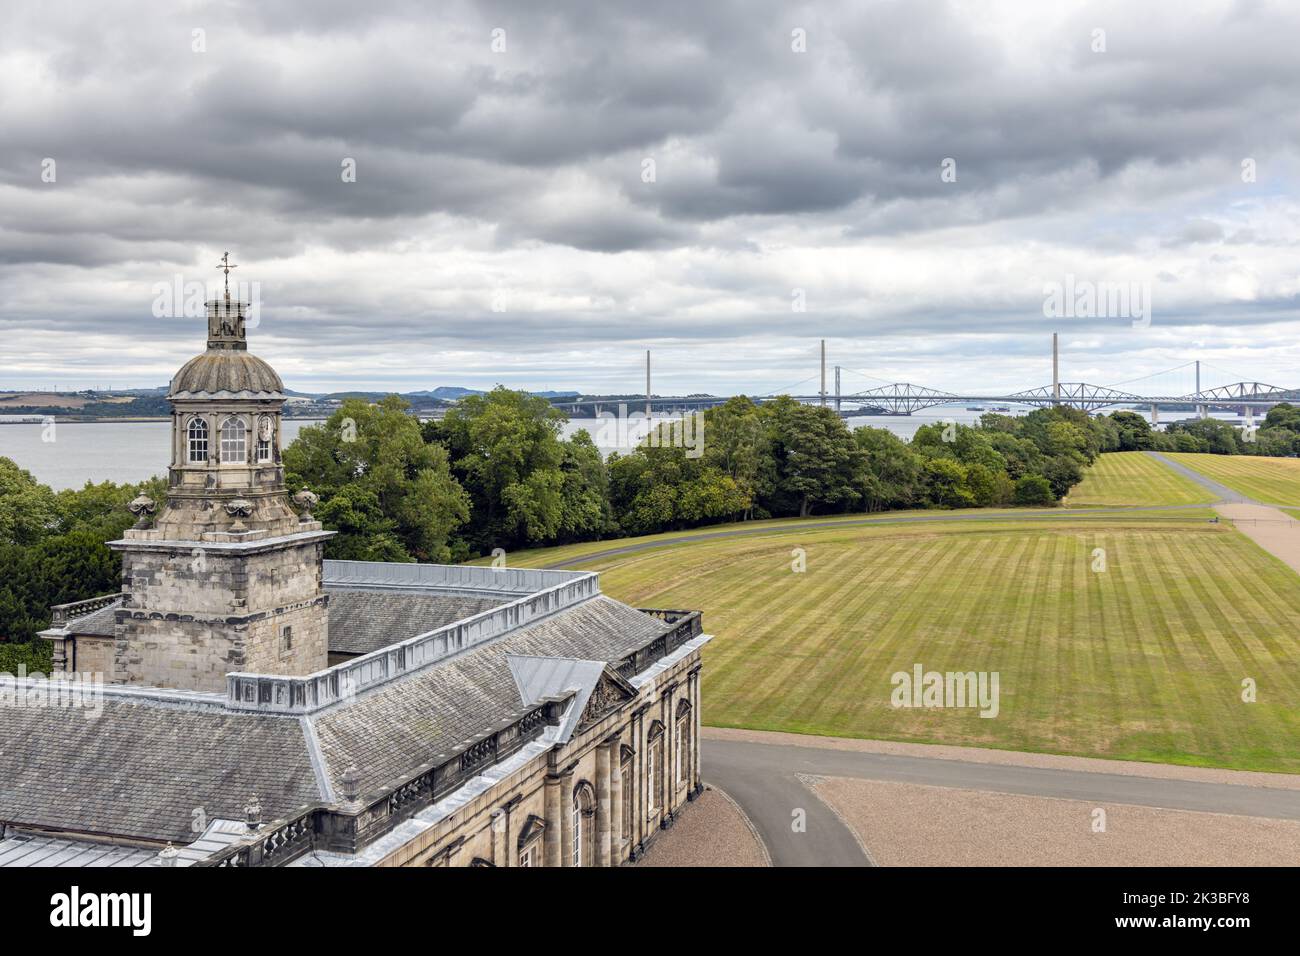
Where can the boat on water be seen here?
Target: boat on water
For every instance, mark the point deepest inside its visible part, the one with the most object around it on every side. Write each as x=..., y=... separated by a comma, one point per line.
x=976, y=408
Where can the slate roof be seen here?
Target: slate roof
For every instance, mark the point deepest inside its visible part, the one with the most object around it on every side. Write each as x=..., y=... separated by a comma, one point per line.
x=392, y=730
x=142, y=769
x=362, y=621
x=97, y=623
x=154, y=760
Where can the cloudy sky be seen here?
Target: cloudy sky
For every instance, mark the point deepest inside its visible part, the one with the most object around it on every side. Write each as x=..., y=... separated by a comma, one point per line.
x=544, y=191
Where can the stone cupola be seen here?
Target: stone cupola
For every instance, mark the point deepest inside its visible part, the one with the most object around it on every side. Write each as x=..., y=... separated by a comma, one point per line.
x=228, y=575
x=226, y=474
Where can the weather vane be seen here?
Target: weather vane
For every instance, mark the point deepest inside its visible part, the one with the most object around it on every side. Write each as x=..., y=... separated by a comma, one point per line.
x=225, y=267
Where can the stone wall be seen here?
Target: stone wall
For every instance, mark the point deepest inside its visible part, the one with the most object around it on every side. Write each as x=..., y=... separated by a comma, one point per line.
x=94, y=655
x=487, y=828
x=194, y=614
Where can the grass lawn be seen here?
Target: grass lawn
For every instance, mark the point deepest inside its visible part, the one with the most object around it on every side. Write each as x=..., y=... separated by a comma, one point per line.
x=1132, y=478
x=1274, y=481
x=1143, y=661
x=571, y=555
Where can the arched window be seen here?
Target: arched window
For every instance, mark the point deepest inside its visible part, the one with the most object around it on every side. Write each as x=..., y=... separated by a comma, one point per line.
x=265, y=429
x=234, y=441
x=682, y=744
x=197, y=434
x=625, y=812
x=584, y=806
x=654, y=770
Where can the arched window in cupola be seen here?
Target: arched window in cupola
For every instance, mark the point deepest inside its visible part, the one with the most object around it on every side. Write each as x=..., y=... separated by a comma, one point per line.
x=234, y=441
x=197, y=435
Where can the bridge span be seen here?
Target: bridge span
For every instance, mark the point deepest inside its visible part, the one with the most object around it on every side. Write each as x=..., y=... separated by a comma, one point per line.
x=904, y=398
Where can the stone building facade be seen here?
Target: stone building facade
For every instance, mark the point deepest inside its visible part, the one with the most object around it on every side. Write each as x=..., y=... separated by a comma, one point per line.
x=263, y=706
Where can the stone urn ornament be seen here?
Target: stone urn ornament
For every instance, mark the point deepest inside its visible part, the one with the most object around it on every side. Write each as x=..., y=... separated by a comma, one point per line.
x=306, y=500
x=143, y=507
x=239, y=509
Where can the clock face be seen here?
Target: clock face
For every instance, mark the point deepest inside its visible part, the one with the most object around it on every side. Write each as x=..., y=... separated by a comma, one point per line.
x=264, y=429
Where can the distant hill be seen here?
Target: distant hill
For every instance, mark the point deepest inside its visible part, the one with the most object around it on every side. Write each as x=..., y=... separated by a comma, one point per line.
x=452, y=393
x=448, y=393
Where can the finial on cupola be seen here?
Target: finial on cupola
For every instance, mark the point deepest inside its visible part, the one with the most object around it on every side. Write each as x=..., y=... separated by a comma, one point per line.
x=225, y=267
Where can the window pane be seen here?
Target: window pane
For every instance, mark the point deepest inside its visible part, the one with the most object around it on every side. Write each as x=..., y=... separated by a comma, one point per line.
x=234, y=441
x=197, y=434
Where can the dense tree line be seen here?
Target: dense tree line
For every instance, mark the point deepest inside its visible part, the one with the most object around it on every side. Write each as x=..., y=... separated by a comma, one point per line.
x=1278, y=435
x=785, y=459
x=496, y=473
x=52, y=550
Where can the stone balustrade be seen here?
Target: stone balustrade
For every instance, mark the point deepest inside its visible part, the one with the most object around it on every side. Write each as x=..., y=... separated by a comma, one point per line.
x=63, y=613
x=310, y=693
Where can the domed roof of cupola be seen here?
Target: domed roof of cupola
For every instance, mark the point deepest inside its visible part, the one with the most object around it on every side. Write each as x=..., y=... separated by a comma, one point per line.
x=226, y=373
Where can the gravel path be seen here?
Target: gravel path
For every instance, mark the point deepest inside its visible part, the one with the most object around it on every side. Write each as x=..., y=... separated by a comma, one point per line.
x=711, y=831
x=1275, y=531
x=914, y=825
x=1222, y=491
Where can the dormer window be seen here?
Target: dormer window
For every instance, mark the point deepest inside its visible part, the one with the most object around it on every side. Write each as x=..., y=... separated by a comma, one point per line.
x=234, y=442
x=197, y=434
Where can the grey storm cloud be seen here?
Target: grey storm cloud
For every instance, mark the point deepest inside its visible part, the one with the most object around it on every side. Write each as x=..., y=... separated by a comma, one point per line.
x=525, y=170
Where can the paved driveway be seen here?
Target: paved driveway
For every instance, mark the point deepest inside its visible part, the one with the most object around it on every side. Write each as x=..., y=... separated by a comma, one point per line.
x=764, y=779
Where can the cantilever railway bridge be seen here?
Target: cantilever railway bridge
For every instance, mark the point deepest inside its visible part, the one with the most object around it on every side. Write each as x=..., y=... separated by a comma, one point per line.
x=904, y=398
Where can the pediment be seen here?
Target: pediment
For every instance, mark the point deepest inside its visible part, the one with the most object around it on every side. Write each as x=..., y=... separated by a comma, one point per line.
x=609, y=694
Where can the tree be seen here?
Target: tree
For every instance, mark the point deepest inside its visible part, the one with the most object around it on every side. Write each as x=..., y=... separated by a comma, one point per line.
x=365, y=533
x=1085, y=438
x=945, y=482
x=1033, y=490
x=890, y=470
x=585, y=512
x=56, y=553
x=1213, y=436
x=393, y=483
x=987, y=487
x=960, y=442
x=1021, y=455
x=660, y=488
x=1285, y=416
x=506, y=451
x=1134, y=431
x=817, y=460
x=1274, y=442
x=738, y=443
x=1062, y=472
x=28, y=509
